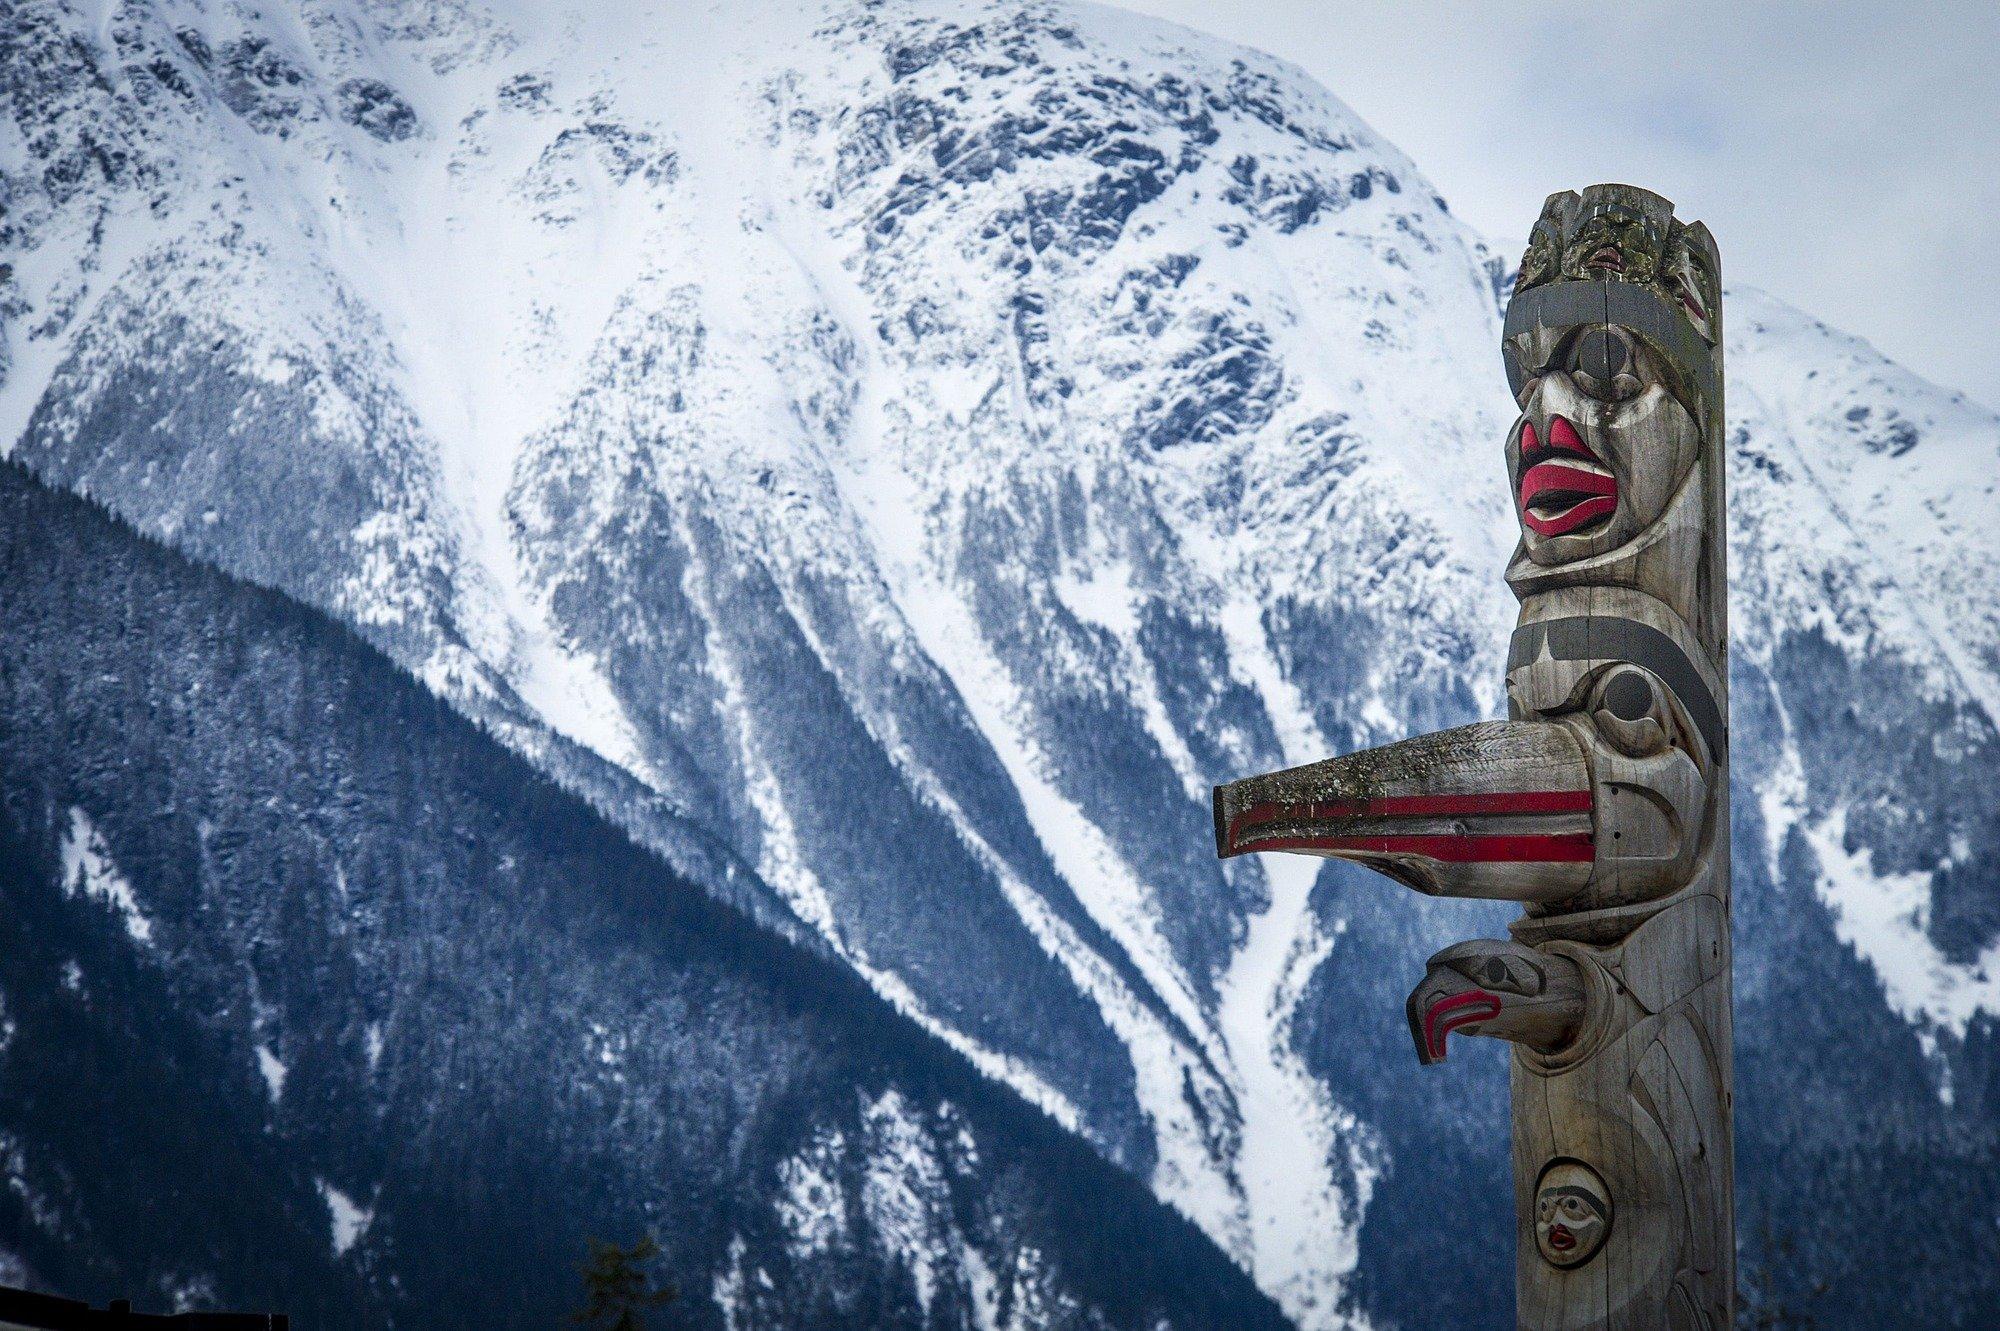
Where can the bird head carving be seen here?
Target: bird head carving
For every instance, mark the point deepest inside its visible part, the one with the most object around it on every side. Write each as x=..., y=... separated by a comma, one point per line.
x=1503, y=989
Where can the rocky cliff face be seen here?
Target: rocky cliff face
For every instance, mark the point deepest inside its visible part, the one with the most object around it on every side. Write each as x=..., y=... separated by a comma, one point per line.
x=892, y=459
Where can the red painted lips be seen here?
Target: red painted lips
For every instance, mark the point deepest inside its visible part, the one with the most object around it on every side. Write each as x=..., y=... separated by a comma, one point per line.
x=1559, y=496
x=1606, y=257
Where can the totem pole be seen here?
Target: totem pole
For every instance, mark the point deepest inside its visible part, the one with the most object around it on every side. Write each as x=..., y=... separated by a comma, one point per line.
x=1602, y=804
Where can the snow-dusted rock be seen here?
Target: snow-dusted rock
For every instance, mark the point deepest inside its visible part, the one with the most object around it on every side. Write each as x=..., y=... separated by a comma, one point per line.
x=893, y=457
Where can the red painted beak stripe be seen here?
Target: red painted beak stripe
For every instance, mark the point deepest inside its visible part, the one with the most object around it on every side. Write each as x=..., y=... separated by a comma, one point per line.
x=1454, y=848
x=1448, y=1014
x=1560, y=848
x=1419, y=806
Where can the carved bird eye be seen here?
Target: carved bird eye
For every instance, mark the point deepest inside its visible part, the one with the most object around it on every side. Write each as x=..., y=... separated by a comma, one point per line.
x=1506, y=973
x=1630, y=707
x=1600, y=361
x=1628, y=696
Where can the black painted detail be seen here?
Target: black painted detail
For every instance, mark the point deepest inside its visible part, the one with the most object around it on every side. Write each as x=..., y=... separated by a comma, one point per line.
x=1610, y=638
x=1628, y=696
x=1625, y=304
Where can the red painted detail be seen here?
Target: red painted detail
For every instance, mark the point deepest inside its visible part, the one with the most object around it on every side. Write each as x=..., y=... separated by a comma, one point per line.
x=1607, y=256
x=1559, y=477
x=1457, y=848
x=1556, y=472
x=1448, y=1014
x=1588, y=511
x=1531, y=442
x=1419, y=806
x=1562, y=848
x=1564, y=476
x=1563, y=438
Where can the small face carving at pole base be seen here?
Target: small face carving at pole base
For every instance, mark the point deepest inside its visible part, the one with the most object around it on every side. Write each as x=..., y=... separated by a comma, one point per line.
x=1572, y=1213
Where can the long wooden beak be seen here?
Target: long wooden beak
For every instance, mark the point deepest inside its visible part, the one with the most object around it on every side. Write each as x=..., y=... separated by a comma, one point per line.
x=1499, y=809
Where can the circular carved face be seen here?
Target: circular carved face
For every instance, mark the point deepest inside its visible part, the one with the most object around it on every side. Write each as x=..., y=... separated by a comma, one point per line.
x=1601, y=448
x=1572, y=1213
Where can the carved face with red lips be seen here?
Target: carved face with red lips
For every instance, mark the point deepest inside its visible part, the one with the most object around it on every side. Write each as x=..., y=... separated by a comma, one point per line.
x=1617, y=240
x=1602, y=445
x=1572, y=1214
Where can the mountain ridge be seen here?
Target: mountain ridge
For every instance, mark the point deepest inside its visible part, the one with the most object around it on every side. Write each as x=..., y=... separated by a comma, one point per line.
x=223, y=993
x=894, y=467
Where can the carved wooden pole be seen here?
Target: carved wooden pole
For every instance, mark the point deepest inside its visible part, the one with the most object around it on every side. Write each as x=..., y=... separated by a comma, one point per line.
x=1602, y=805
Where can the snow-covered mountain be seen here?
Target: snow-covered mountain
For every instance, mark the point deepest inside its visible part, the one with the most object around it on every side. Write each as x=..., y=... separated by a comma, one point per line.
x=256, y=1049
x=892, y=458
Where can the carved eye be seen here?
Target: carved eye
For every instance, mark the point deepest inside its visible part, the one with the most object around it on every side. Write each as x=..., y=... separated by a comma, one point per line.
x=1600, y=361
x=1506, y=973
x=1630, y=707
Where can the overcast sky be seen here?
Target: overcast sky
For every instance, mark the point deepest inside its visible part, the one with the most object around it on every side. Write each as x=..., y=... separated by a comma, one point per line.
x=1846, y=156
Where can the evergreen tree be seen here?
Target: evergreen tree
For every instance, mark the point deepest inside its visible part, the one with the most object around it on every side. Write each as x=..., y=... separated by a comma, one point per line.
x=618, y=1287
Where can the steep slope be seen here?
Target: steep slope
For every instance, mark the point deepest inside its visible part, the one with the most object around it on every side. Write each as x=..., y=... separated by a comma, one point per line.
x=1866, y=697
x=893, y=457
x=772, y=544
x=314, y=997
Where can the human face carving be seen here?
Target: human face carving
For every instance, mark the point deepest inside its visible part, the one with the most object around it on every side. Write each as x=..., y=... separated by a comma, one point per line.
x=1602, y=445
x=1543, y=257
x=1572, y=1214
x=1615, y=243
x=1691, y=282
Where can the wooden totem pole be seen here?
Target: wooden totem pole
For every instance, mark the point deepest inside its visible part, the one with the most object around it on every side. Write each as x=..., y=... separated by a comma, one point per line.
x=1602, y=805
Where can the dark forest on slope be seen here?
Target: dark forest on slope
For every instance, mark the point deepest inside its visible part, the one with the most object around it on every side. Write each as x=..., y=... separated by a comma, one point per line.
x=501, y=1028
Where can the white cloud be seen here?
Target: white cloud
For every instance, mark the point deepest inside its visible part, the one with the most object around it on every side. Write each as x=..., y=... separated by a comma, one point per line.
x=1842, y=153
